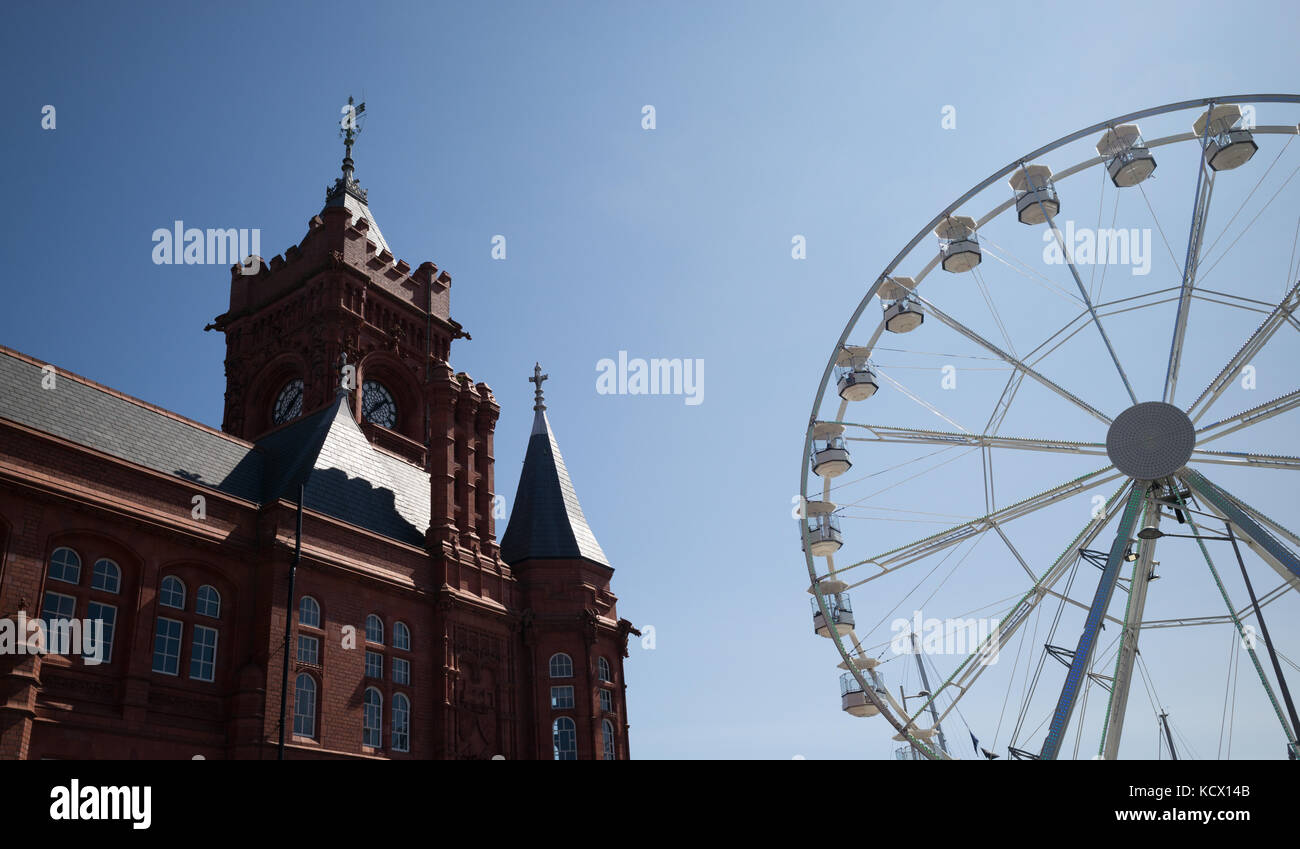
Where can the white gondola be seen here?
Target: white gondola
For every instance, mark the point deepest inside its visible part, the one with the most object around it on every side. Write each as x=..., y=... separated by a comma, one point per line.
x=1034, y=192
x=1228, y=145
x=841, y=615
x=823, y=528
x=959, y=247
x=902, y=313
x=854, y=700
x=856, y=380
x=830, y=456
x=1130, y=161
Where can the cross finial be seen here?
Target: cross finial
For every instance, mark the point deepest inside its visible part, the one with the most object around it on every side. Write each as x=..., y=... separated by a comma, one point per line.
x=537, y=378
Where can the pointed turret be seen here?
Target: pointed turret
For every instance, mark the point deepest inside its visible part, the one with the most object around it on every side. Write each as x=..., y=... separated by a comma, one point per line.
x=547, y=522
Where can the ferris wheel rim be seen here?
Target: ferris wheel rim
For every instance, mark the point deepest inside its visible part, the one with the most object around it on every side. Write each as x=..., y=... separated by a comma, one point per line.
x=848, y=661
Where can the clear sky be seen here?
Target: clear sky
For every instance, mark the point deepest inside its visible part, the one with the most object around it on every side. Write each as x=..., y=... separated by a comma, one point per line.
x=525, y=120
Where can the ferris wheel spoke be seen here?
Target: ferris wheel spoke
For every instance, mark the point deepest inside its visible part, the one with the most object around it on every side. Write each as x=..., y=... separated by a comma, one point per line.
x=1276, y=319
x=896, y=558
x=1245, y=419
x=1083, y=293
x=1074, y=679
x=1244, y=458
x=1200, y=208
x=1012, y=360
x=886, y=433
x=1122, y=677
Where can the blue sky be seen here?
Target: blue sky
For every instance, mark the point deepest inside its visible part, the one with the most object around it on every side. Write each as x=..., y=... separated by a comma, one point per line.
x=525, y=120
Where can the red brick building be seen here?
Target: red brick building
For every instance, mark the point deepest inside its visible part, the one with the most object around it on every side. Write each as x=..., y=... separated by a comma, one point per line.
x=414, y=634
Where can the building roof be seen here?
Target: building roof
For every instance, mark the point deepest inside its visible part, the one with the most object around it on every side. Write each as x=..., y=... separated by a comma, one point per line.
x=345, y=476
x=547, y=521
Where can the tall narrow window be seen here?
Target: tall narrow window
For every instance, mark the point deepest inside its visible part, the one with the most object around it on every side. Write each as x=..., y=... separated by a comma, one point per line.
x=565, y=738
x=107, y=615
x=308, y=650
x=167, y=647
x=602, y=670
x=401, y=671
x=562, y=697
x=203, y=654
x=401, y=637
x=374, y=664
x=304, y=706
x=607, y=737
x=372, y=716
x=401, y=723
x=607, y=700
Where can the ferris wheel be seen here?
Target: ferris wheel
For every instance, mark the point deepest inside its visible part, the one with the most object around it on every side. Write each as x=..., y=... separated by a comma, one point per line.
x=1047, y=491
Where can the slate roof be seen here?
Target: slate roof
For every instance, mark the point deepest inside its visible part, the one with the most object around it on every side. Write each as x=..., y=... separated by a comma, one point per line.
x=345, y=476
x=547, y=521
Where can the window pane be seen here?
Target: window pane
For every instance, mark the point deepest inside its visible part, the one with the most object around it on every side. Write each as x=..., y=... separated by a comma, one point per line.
x=106, y=576
x=561, y=666
x=203, y=654
x=308, y=650
x=401, y=637
x=607, y=733
x=309, y=612
x=401, y=724
x=107, y=614
x=562, y=697
x=607, y=700
x=167, y=647
x=371, y=718
x=208, y=602
x=401, y=671
x=57, y=612
x=565, y=740
x=304, y=706
x=374, y=664
x=602, y=669
x=173, y=593
x=65, y=565
x=374, y=629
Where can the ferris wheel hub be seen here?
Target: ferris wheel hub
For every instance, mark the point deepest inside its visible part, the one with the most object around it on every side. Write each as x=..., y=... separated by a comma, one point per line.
x=1151, y=440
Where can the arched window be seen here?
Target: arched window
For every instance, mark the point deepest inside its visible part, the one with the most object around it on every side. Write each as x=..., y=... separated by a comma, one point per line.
x=401, y=636
x=607, y=736
x=565, y=738
x=374, y=629
x=602, y=670
x=304, y=706
x=372, y=716
x=309, y=612
x=173, y=593
x=65, y=566
x=561, y=665
x=401, y=723
x=106, y=576
x=207, y=601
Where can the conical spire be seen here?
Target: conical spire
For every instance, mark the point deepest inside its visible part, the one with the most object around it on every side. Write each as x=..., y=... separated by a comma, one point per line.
x=547, y=522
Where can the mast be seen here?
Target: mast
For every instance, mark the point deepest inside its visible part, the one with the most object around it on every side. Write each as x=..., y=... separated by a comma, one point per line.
x=925, y=682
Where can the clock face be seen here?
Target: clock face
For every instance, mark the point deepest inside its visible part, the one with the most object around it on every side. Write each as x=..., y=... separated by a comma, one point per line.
x=377, y=405
x=288, y=404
